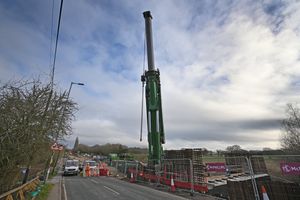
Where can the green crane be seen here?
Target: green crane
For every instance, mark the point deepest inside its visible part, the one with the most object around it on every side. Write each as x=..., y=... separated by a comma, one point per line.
x=156, y=136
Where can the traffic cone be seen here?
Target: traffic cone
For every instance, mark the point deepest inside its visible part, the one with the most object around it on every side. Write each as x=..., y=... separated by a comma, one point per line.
x=264, y=193
x=172, y=185
x=131, y=178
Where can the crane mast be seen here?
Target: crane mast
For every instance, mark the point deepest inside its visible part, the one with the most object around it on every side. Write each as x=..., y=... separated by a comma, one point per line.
x=155, y=126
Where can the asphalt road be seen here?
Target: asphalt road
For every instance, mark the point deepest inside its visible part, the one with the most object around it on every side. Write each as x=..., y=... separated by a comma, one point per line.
x=92, y=188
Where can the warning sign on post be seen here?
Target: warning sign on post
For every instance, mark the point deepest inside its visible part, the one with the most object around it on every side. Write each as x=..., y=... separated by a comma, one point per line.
x=57, y=147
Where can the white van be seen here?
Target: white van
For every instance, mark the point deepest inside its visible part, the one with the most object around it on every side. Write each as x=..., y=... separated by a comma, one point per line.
x=71, y=167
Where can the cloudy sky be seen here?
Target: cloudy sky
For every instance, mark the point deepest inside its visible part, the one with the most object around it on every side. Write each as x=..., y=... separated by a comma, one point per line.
x=228, y=68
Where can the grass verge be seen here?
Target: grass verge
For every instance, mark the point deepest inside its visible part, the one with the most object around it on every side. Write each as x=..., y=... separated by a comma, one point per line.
x=43, y=195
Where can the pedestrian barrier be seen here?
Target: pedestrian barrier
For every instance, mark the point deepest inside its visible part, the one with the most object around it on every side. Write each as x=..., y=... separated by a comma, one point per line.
x=19, y=193
x=131, y=177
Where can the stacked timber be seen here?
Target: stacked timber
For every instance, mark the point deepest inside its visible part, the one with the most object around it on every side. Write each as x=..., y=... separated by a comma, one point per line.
x=186, y=163
x=196, y=156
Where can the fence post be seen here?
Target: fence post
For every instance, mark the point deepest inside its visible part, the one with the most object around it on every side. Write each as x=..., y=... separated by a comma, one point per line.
x=117, y=165
x=136, y=170
x=192, y=177
x=125, y=167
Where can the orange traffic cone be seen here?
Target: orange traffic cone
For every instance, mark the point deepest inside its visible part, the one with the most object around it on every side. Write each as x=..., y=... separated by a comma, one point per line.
x=172, y=184
x=131, y=178
x=264, y=193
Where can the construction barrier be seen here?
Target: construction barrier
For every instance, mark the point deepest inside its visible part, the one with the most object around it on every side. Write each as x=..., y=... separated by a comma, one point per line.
x=184, y=175
x=100, y=170
x=234, y=175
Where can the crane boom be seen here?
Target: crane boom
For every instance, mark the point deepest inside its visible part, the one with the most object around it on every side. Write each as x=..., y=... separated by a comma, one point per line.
x=156, y=136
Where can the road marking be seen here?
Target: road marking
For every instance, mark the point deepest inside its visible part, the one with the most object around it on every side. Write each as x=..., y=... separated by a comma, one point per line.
x=65, y=192
x=117, y=193
x=60, y=186
x=94, y=181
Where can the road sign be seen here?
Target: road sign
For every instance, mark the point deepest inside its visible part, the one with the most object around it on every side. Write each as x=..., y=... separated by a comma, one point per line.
x=57, y=147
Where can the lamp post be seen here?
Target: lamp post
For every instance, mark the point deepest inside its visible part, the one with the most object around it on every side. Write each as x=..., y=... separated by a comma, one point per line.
x=64, y=108
x=73, y=83
x=60, y=124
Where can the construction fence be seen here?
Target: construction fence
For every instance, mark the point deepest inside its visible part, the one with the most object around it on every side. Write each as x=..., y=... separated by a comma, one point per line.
x=178, y=171
x=181, y=169
x=242, y=176
x=232, y=176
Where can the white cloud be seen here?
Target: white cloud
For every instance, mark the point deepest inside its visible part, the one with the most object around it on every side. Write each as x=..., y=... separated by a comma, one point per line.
x=227, y=69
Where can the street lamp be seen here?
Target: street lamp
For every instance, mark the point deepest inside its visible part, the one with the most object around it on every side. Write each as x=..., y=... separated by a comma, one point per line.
x=64, y=108
x=60, y=124
x=72, y=83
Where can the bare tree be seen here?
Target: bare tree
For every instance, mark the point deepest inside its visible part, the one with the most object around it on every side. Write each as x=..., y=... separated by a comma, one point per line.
x=290, y=139
x=30, y=120
x=234, y=148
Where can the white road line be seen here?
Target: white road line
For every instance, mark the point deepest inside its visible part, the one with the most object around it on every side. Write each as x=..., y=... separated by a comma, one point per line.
x=117, y=193
x=157, y=191
x=60, y=186
x=65, y=192
x=94, y=181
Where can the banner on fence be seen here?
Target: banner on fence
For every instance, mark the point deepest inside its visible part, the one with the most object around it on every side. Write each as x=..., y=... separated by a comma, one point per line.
x=216, y=167
x=292, y=168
